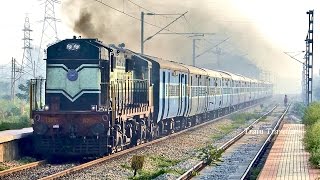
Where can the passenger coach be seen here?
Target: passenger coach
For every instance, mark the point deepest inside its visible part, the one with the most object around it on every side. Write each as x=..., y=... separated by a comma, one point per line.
x=99, y=99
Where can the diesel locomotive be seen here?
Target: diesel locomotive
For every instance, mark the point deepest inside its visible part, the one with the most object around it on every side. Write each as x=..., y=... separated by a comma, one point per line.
x=98, y=99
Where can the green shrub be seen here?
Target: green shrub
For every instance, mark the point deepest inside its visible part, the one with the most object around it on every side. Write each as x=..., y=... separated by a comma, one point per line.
x=27, y=159
x=162, y=165
x=241, y=118
x=13, y=115
x=311, y=114
x=8, y=108
x=3, y=167
x=315, y=157
x=312, y=137
x=15, y=122
x=210, y=155
x=311, y=119
x=163, y=162
x=146, y=175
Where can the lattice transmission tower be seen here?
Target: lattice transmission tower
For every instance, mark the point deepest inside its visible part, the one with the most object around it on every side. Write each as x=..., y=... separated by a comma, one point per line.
x=27, y=64
x=49, y=33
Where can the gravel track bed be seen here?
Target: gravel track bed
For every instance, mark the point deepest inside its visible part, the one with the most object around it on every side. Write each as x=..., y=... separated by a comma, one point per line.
x=183, y=147
x=238, y=156
x=11, y=164
x=38, y=172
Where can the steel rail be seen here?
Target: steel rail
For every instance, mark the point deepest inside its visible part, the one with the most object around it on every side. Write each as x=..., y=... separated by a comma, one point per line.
x=198, y=167
x=118, y=154
x=264, y=146
x=23, y=167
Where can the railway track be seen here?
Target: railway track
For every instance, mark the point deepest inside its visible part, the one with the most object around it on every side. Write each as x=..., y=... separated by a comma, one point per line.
x=35, y=170
x=90, y=167
x=229, y=164
x=42, y=170
x=21, y=168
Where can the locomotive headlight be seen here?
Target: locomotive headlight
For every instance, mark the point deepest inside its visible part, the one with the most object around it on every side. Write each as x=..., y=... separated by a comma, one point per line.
x=46, y=108
x=93, y=107
x=97, y=129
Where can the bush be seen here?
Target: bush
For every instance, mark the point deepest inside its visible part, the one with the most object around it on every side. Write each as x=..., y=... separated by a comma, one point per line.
x=311, y=119
x=311, y=114
x=241, y=118
x=312, y=137
x=161, y=164
x=15, y=122
x=315, y=157
x=210, y=155
x=13, y=115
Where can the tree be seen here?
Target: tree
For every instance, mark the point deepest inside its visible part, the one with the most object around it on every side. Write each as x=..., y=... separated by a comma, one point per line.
x=24, y=91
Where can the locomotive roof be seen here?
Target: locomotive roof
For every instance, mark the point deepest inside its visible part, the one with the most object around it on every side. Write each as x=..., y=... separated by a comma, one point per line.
x=164, y=64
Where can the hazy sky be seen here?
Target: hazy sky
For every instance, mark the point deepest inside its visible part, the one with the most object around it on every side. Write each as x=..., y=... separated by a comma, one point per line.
x=282, y=23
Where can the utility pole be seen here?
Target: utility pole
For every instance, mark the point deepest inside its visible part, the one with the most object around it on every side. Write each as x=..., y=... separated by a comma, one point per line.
x=142, y=32
x=142, y=27
x=14, y=70
x=194, y=51
x=13, y=79
x=194, y=57
x=218, y=52
x=309, y=58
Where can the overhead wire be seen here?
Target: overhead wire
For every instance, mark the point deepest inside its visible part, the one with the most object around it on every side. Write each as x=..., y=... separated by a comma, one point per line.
x=136, y=18
x=141, y=7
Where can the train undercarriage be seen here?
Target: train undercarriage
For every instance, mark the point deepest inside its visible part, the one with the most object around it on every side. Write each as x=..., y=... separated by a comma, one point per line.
x=123, y=134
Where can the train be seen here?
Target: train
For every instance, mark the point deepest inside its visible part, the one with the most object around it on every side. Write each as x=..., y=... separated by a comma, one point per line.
x=98, y=99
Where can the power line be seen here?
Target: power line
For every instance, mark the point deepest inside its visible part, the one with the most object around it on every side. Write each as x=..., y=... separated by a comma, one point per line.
x=136, y=18
x=212, y=47
x=165, y=27
x=141, y=7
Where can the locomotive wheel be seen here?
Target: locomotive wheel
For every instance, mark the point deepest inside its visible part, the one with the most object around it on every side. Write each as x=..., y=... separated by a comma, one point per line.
x=119, y=148
x=113, y=150
x=139, y=142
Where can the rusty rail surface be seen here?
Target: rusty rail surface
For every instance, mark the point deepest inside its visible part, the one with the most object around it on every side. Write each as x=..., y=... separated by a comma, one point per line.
x=21, y=168
x=198, y=167
x=112, y=156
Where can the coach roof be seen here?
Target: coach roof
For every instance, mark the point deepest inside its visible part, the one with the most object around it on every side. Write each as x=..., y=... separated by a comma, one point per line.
x=195, y=70
x=212, y=73
x=164, y=64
